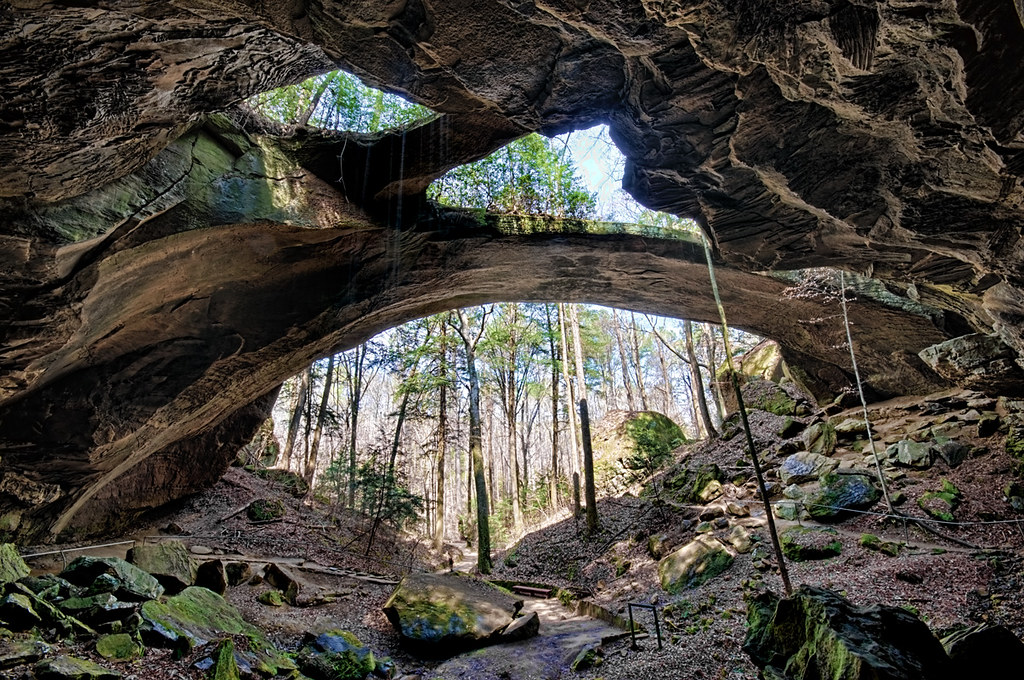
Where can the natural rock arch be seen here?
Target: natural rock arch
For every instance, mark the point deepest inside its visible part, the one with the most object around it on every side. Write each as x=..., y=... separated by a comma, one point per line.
x=836, y=134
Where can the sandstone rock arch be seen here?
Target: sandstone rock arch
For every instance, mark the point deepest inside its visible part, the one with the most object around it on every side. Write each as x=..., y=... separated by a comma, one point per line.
x=149, y=248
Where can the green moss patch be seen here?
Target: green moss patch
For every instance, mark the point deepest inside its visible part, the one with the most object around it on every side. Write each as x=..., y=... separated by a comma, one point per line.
x=806, y=543
x=196, y=616
x=942, y=503
x=263, y=509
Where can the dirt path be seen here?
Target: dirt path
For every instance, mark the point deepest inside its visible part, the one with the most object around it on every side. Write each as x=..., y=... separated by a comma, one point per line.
x=544, y=657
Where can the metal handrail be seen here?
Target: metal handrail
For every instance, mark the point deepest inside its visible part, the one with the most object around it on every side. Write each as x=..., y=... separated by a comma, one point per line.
x=632, y=627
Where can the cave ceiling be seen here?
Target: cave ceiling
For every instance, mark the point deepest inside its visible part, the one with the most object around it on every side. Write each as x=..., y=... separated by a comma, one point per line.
x=166, y=259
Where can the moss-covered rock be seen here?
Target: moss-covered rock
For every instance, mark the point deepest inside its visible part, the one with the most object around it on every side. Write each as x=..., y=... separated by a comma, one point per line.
x=113, y=575
x=983, y=646
x=908, y=453
x=693, y=564
x=12, y=567
x=449, y=612
x=805, y=467
x=629, y=445
x=196, y=616
x=263, y=509
x=119, y=647
x=810, y=543
x=271, y=598
x=291, y=482
x=17, y=612
x=872, y=542
x=335, y=655
x=942, y=503
x=225, y=667
x=820, y=438
x=71, y=668
x=818, y=634
x=689, y=483
x=839, y=493
x=168, y=561
x=588, y=657
x=18, y=652
x=99, y=608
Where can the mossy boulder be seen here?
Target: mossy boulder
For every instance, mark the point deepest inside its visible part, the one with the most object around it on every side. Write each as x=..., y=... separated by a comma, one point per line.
x=449, y=612
x=818, y=634
x=291, y=482
x=12, y=567
x=983, y=646
x=168, y=561
x=801, y=544
x=872, y=542
x=628, y=445
x=119, y=647
x=18, y=652
x=761, y=394
x=71, y=668
x=17, y=612
x=839, y=493
x=805, y=467
x=942, y=503
x=263, y=509
x=690, y=482
x=908, y=453
x=196, y=616
x=225, y=666
x=99, y=608
x=113, y=575
x=820, y=437
x=335, y=655
x=272, y=598
x=696, y=562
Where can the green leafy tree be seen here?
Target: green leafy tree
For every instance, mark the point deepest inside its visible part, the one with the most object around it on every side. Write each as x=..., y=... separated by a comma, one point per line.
x=337, y=101
x=526, y=177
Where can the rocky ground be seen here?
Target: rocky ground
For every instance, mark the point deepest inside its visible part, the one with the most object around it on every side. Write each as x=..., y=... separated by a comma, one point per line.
x=967, y=569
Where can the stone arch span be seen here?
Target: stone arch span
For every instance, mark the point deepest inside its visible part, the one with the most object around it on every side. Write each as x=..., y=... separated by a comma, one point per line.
x=173, y=327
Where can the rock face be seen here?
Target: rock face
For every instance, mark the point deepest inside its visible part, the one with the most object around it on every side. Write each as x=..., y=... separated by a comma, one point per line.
x=168, y=561
x=149, y=249
x=703, y=558
x=444, y=613
x=818, y=634
x=629, y=445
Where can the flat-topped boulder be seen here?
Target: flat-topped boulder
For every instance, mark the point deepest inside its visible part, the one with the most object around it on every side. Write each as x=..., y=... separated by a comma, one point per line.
x=449, y=612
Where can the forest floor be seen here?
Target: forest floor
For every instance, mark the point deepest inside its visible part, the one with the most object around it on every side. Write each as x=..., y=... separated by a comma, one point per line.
x=946, y=583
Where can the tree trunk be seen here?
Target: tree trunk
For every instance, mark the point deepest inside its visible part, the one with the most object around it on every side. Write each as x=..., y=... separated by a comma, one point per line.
x=300, y=407
x=321, y=415
x=553, y=489
x=709, y=348
x=355, y=396
x=442, y=440
x=574, y=465
x=483, y=558
x=622, y=356
x=388, y=483
x=589, y=490
x=638, y=363
x=698, y=381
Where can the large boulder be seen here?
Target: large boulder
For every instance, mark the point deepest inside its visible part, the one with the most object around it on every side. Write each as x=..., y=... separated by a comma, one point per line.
x=984, y=646
x=628, y=445
x=977, y=362
x=168, y=561
x=840, y=493
x=810, y=543
x=449, y=611
x=907, y=453
x=699, y=560
x=12, y=567
x=196, y=616
x=805, y=467
x=690, y=482
x=113, y=575
x=335, y=655
x=816, y=634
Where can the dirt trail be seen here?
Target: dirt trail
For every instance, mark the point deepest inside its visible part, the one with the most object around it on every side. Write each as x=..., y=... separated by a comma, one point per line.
x=544, y=657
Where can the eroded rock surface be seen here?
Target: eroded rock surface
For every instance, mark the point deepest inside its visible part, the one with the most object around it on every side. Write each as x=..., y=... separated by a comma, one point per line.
x=149, y=250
